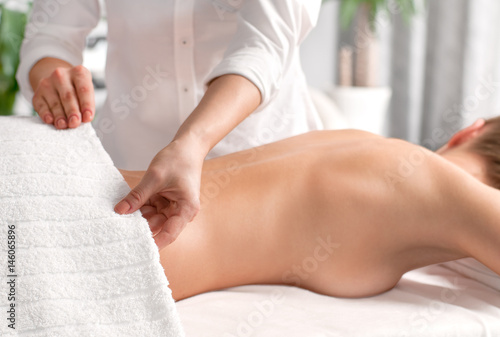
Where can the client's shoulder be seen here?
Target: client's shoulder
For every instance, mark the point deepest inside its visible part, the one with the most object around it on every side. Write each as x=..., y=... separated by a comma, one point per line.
x=410, y=166
x=404, y=165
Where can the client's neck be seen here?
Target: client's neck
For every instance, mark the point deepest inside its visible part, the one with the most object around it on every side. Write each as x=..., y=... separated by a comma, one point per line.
x=467, y=161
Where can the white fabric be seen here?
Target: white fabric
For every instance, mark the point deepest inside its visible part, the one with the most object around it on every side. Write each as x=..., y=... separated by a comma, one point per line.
x=476, y=270
x=162, y=54
x=82, y=269
x=433, y=302
x=330, y=114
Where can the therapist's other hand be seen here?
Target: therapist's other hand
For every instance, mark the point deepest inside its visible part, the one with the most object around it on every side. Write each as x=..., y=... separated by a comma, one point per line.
x=65, y=98
x=169, y=193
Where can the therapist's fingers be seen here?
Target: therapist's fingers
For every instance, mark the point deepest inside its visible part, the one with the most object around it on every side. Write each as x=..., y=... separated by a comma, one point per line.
x=156, y=222
x=178, y=215
x=155, y=219
x=42, y=108
x=56, y=108
x=138, y=196
x=185, y=208
x=170, y=231
x=148, y=211
x=167, y=218
x=82, y=82
x=66, y=97
x=159, y=202
x=43, y=97
x=64, y=87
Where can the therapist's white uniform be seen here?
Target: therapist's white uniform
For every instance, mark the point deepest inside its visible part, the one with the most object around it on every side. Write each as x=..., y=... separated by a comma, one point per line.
x=162, y=54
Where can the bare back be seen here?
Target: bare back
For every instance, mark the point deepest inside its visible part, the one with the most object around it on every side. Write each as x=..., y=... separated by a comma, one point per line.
x=345, y=213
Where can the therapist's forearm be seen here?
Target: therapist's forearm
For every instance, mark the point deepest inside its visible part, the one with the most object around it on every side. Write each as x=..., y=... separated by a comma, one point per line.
x=228, y=100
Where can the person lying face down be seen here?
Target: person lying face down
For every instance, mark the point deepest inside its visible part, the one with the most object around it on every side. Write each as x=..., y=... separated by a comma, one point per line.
x=343, y=213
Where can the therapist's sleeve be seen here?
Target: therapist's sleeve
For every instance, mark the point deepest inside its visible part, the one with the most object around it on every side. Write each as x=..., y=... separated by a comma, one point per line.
x=268, y=35
x=56, y=29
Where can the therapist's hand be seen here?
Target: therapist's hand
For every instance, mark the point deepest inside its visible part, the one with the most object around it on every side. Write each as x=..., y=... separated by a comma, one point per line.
x=169, y=193
x=63, y=94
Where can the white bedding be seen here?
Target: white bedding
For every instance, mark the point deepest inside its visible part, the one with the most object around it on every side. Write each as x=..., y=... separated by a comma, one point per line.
x=434, y=301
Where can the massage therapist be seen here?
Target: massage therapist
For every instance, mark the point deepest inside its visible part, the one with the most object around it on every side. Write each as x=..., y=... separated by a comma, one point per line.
x=186, y=80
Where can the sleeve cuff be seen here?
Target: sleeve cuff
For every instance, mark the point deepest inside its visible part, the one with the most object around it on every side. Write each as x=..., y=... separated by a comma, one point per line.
x=258, y=67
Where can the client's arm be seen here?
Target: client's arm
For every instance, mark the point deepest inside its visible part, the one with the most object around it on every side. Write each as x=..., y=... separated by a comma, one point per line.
x=479, y=205
x=471, y=209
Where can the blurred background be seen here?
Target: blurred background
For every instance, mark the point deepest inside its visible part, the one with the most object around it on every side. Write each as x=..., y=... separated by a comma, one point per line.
x=412, y=69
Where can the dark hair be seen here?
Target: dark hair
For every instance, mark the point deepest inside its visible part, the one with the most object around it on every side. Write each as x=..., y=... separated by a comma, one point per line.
x=487, y=145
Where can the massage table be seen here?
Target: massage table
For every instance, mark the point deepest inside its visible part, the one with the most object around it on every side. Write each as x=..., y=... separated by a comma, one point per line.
x=435, y=301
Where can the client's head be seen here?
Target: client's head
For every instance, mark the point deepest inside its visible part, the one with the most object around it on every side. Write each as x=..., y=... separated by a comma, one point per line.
x=477, y=150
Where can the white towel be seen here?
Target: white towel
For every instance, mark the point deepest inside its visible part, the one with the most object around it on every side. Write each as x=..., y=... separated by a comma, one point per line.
x=81, y=269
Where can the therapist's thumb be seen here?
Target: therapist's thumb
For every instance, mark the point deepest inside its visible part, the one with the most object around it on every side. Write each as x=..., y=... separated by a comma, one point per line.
x=136, y=198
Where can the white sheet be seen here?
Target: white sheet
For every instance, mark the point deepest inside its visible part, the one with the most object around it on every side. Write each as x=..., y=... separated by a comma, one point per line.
x=477, y=271
x=434, y=302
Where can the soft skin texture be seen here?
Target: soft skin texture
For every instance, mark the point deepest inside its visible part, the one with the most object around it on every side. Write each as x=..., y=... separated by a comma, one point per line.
x=342, y=213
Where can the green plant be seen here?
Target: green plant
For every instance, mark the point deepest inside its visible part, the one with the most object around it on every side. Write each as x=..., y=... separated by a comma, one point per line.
x=358, y=66
x=348, y=9
x=12, y=25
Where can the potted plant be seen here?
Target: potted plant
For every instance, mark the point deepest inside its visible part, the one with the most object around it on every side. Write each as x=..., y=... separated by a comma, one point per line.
x=12, y=24
x=358, y=93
